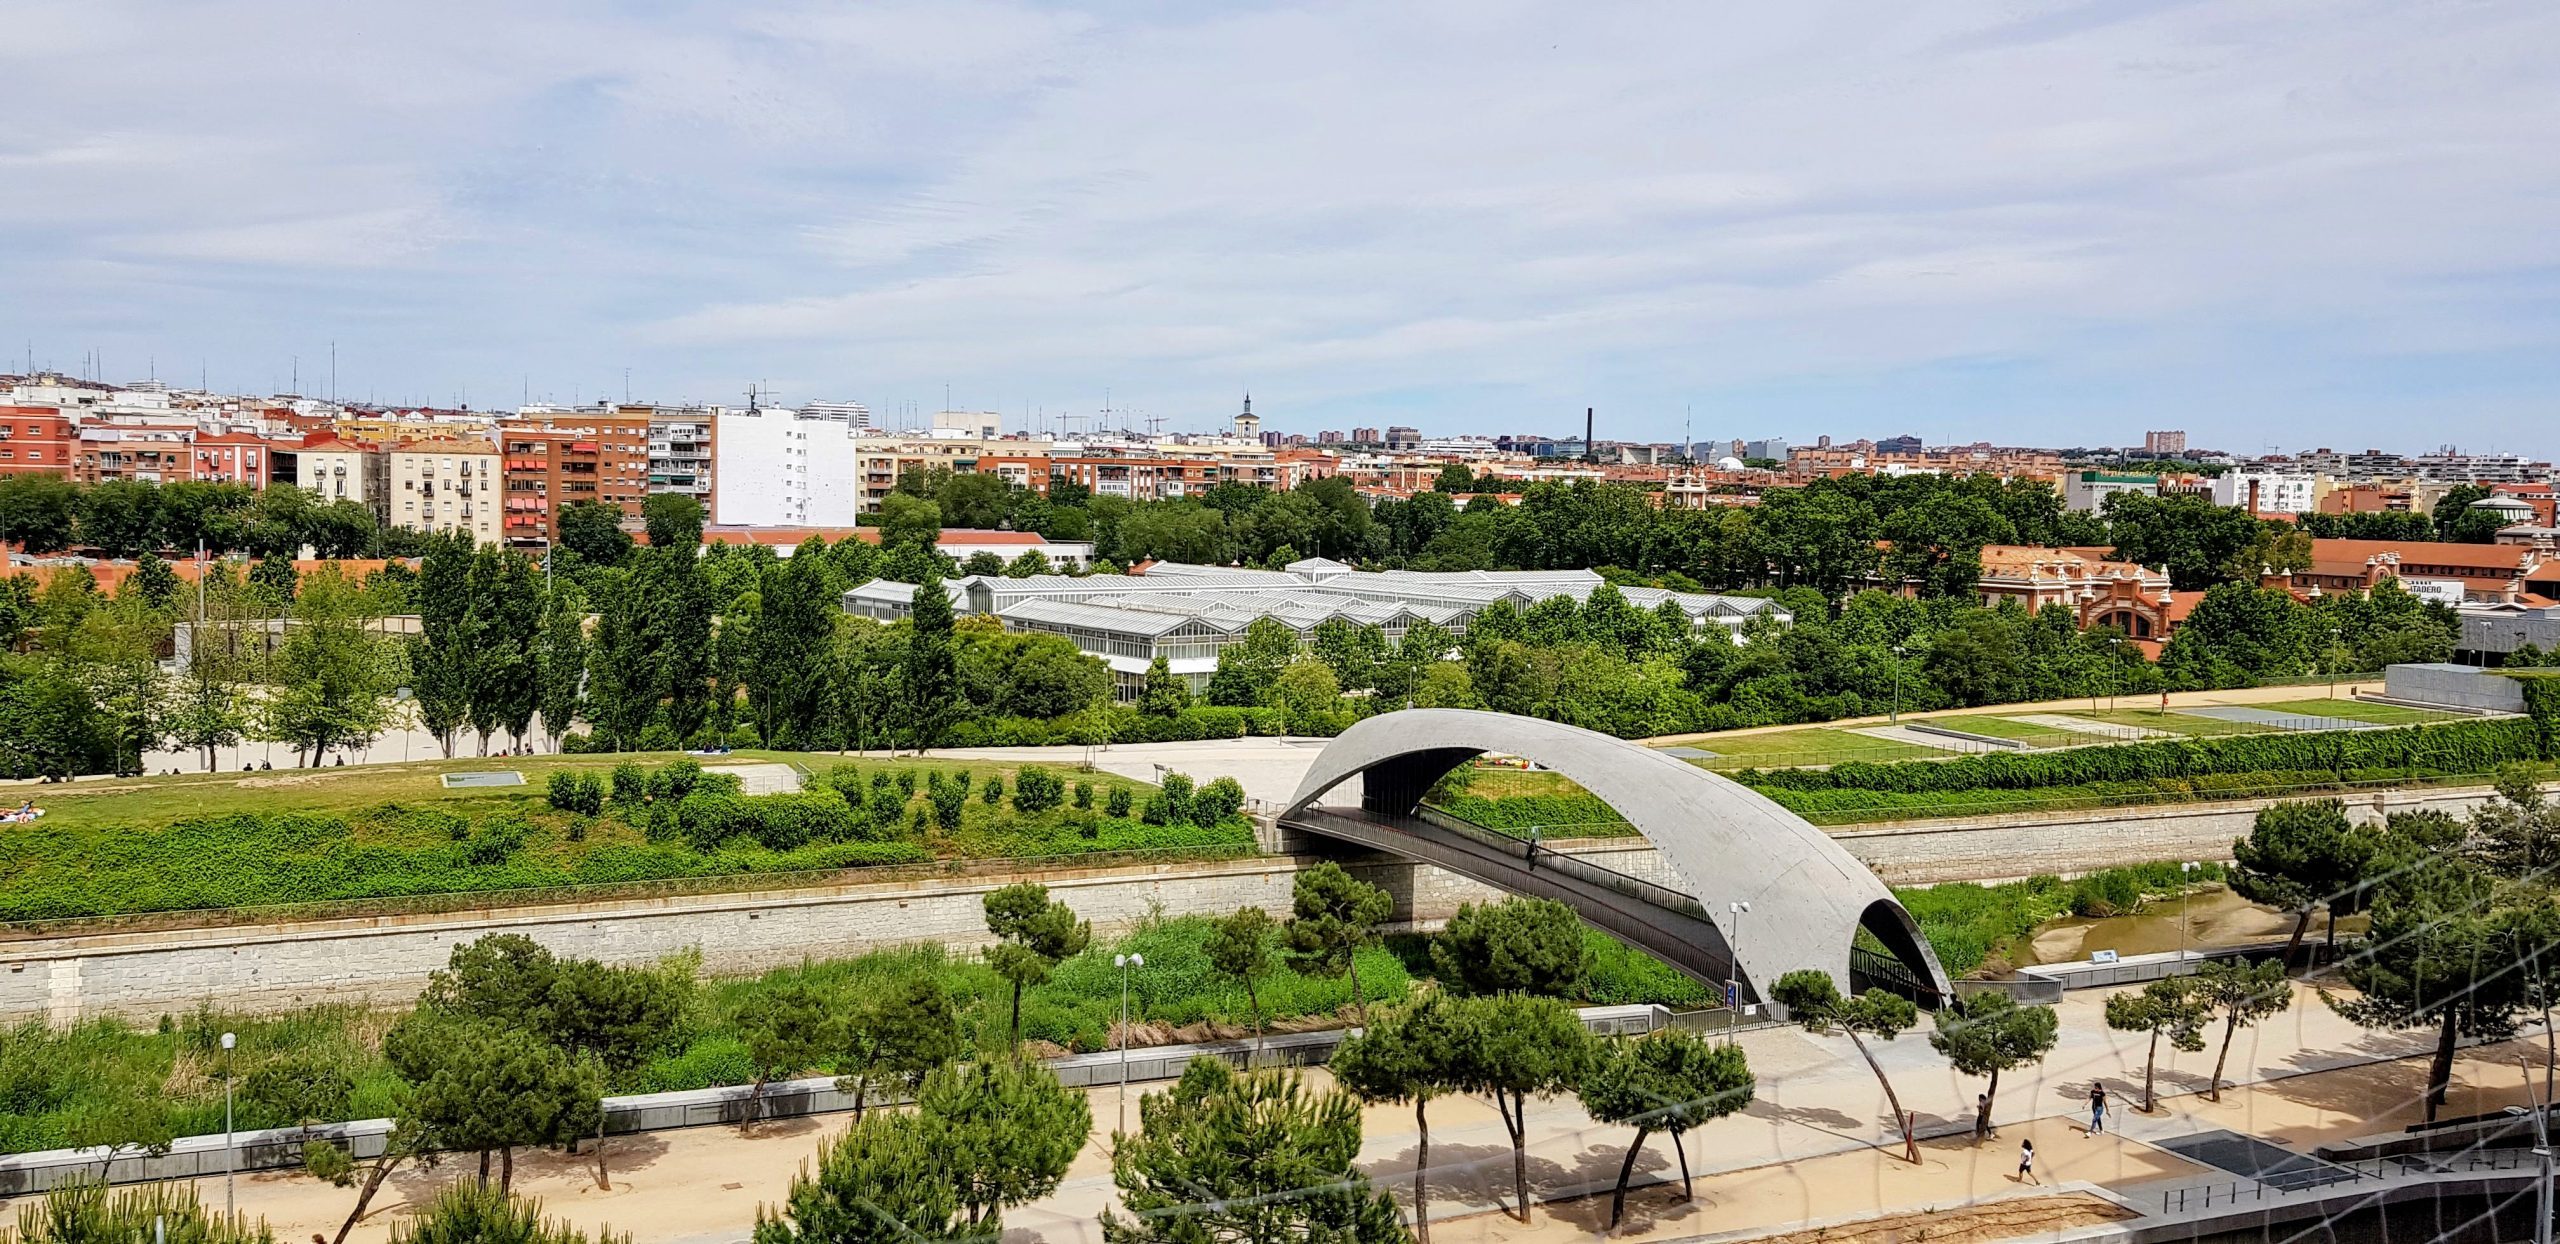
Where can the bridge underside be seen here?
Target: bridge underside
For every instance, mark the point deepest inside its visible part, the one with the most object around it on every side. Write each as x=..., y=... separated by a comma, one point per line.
x=1717, y=839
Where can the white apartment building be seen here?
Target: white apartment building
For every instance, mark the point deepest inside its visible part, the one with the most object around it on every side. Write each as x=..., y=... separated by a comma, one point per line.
x=785, y=468
x=443, y=486
x=338, y=470
x=2266, y=492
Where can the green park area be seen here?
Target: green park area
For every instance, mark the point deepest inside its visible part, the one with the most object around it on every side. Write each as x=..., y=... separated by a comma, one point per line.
x=396, y=835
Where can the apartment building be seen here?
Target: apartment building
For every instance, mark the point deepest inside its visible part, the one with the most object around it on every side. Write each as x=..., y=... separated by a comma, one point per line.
x=334, y=468
x=440, y=486
x=232, y=458
x=2266, y=492
x=36, y=440
x=681, y=453
x=2087, y=491
x=788, y=468
x=552, y=459
x=150, y=453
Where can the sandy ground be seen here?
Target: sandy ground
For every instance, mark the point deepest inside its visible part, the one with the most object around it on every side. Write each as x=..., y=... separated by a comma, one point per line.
x=1814, y=1147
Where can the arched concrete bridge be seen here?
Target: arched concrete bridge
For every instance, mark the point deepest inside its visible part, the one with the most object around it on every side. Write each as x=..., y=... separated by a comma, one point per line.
x=1724, y=843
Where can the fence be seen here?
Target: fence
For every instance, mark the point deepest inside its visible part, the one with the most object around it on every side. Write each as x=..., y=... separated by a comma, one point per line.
x=2318, y=1174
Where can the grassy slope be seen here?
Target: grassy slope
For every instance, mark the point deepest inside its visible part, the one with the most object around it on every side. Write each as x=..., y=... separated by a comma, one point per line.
x=2026, y=732
x=189, y=843
x=104, y=1062
x=1813, y=745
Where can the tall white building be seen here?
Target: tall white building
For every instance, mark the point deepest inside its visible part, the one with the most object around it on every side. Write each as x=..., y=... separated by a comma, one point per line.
x=787, y=468
x=854, y=413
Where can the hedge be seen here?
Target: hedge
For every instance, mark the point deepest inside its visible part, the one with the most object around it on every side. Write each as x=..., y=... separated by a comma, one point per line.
x=775, y=822
x=1544, y=812
x=2453, y=748
x=1127, y=725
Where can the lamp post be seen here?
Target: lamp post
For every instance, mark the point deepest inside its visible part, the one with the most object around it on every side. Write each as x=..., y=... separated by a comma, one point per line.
x=2542, y=1186
x=1733, y=970
x=1897, y=685
x=230, y=1156
x=1125, y=963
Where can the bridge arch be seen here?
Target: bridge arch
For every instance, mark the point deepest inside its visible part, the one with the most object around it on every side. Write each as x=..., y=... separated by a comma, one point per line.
x=1723, y=843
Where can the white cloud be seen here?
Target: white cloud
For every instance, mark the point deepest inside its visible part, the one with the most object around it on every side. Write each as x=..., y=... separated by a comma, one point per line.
x=1519, y=206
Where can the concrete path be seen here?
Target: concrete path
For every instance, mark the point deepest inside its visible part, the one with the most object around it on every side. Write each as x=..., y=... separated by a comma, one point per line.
x=761, y=779
x=1941, y=742
x=2083, y=725
x=2281, y=721
x=1808, y=1148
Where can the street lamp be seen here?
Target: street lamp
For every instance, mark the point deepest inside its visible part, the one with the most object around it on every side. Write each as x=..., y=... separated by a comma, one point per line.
x=1897, y=684
x=230, y=1156
x=1733, y=969
x=1125, y=963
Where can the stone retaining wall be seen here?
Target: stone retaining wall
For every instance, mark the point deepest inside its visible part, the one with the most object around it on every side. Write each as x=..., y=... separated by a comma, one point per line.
x=384, y=960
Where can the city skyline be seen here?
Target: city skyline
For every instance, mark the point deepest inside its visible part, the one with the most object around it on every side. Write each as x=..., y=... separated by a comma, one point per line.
x=2098, y=222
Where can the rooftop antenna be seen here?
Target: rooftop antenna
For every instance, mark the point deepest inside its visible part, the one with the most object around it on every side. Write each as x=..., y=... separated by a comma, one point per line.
x=297, y=375
x=626, y=386
x=1155, y=424
x=333, y=371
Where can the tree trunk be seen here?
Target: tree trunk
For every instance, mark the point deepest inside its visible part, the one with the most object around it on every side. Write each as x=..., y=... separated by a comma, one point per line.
x=2301, y=925
x=372, y=1184
x=1618, y=1200
x=2440, y=1071
x=1017, y=1016
x=484, y=1168
x=2230, y=1025
x=861, y=1089
x=1901, y=1121
x=1422, y=1171
x=604, y=1179
x=2150, y=1066
x=1688, y=1190
x=506, y=1168
x=1990, y=1098
x=1514, y=1109
x=1359, y=1004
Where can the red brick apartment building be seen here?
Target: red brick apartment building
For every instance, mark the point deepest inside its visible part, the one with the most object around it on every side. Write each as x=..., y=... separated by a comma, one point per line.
x=36, y=440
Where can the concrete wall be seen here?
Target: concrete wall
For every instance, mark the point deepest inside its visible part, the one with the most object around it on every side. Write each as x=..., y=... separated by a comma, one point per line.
x=2456, y=686
x=384, y=960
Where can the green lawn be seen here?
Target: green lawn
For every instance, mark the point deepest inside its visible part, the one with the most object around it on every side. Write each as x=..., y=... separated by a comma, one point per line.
x=394, y=838
x=2360, y=710
x=1813, y=745
x=2026, y=732
x=340, y=791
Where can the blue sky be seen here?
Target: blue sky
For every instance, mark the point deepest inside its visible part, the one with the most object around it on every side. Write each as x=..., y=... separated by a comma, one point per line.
x=2296, y=224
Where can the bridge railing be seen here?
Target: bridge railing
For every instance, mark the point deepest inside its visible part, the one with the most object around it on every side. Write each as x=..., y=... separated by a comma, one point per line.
x=1532, y=856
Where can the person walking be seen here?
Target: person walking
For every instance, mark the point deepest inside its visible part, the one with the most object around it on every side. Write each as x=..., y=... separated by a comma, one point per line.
x=2097, y=1108
x=2027, y=1162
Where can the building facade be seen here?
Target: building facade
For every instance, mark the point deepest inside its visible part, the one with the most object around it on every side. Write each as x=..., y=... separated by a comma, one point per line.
x=441, y=486
x=36, y=440
x=2087, y=491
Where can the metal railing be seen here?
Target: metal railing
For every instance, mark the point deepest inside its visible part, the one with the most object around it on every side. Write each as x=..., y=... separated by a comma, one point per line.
x=2318, y=1174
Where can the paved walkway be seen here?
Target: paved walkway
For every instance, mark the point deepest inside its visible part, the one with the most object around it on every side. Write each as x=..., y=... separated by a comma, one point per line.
x=1806, y=1149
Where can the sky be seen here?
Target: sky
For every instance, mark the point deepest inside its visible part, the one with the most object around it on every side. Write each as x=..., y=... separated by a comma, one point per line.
x=2295, y=224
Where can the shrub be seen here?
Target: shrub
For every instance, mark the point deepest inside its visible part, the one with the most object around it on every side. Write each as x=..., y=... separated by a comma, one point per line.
x=497, y=838
x=677, y=779
x=1037, y=790
x=949, y=800
x=906, y=780
x=1084, y=794
x=571, y=790
x=1220, y=799
x=659, y=737
x=992, y=793
x=2452, y=748
x=630, y=784
x=1177, y=798
x=1157, y=810
x=707, y=820
x=1117, y=804
x=578, y=743
x=744, y=735
x=886, y=804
